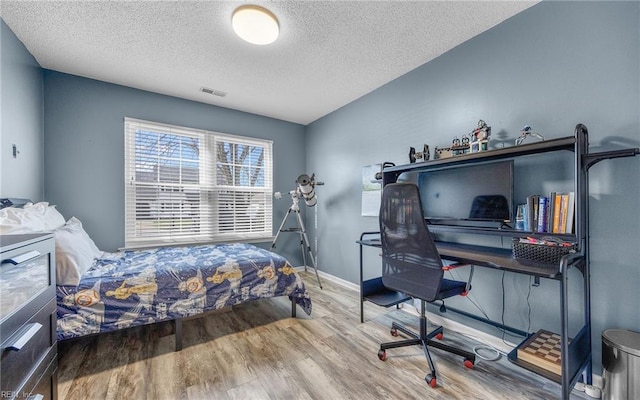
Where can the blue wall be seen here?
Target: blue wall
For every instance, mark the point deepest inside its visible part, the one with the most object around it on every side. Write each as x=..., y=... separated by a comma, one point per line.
x=84, y=148
x=21, y=123
x=552, y=66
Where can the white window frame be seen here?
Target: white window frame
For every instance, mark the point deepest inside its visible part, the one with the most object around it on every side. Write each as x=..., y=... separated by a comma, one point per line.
x=207, y=206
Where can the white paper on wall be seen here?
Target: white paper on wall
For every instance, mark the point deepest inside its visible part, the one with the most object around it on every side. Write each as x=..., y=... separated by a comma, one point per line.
x=371, y=190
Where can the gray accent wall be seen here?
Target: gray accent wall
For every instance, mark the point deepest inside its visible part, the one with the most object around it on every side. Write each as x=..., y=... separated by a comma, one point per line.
x=21, y=120
x=84, y=149
x=552, y=66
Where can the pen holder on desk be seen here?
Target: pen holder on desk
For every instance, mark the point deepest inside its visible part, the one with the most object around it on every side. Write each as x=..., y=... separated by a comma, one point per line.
x=540, y=253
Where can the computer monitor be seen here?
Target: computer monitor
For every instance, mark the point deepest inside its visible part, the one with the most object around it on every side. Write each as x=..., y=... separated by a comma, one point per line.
x=478, y=194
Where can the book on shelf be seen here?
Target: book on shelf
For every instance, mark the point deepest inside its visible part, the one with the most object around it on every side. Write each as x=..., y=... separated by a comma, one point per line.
x=531, y=221
x=571, y=213
x=564, y=212
x=553, y=214
x=543, y=214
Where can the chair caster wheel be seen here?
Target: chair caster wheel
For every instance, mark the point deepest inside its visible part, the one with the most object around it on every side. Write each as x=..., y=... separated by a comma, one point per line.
x=468, y=363
x=382, y=355
x=431, y=380
x=394, y=332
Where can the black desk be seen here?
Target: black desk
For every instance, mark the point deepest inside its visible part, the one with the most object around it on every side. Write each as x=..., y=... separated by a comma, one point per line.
x=493, y=258
x=578, y=349
x=576, y=352
x=484, y=257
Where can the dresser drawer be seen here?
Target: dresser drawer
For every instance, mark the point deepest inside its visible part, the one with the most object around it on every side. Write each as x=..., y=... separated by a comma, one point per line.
x=43, y=385
x=27, y=281
x=27, y=347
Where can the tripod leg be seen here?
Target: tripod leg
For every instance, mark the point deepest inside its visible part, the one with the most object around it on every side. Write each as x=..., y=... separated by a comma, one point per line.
x=306, y=240
x=284, y=220
x=304, y=257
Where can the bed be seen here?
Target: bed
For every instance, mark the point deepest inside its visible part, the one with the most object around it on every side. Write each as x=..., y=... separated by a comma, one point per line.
x=134, y=288
x=101, y=292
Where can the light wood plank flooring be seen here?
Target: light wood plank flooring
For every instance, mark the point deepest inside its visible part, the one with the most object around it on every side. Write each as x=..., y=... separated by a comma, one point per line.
x=257, y=351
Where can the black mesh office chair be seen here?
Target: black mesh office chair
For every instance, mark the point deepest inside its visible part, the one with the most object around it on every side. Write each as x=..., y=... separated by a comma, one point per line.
x=411, y=264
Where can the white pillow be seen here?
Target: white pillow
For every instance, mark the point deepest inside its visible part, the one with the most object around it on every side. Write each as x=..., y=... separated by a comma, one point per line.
x=75, y=252
x=52, y=219
x=21, y=220
x=31, y=218
x=39, y=207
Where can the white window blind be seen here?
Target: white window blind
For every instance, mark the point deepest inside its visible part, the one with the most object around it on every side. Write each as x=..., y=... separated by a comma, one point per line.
x=185, y=185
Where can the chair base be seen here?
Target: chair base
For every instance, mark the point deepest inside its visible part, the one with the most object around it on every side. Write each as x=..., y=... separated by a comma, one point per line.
x=425, y=340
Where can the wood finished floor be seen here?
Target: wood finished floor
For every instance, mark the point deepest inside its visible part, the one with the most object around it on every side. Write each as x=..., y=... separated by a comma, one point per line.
x=257, y=351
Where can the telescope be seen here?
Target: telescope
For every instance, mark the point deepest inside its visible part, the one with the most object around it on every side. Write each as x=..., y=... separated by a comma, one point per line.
x=306, y=188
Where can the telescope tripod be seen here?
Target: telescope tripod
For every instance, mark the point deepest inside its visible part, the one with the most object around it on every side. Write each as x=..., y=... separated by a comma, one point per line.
x=304, y=240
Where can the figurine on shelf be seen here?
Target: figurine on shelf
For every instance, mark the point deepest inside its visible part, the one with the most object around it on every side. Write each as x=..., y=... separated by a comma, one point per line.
x=414, y=156
x=525, y=133
x=439, y=153
x=460, y=147
x=465, y=142
x=480, y=135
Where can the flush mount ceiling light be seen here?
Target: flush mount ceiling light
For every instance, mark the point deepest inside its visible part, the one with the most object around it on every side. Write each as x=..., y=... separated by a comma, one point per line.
x=255, y=24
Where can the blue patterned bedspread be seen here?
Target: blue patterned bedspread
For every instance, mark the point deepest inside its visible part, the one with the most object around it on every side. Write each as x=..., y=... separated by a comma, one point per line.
x=140, y=287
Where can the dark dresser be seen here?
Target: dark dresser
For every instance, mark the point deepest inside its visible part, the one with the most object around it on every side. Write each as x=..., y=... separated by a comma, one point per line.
x=28, y=317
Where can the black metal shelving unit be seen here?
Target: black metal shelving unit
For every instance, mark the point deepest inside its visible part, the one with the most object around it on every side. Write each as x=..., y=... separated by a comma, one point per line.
x=575, y=353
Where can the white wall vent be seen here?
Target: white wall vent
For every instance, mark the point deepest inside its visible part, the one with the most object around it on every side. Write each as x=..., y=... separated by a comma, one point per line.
x=214, y=92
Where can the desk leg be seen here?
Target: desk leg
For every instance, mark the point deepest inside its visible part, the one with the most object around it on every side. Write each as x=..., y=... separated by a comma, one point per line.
x=564, y=334
x=587, y=316
x=361, y=289
x=564, y=344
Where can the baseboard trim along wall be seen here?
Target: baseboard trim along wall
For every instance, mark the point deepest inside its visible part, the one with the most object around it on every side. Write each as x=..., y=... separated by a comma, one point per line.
x=332, y=278
x=482, y=337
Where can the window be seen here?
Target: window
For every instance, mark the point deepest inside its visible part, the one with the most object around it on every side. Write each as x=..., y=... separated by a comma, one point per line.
x=185, y=185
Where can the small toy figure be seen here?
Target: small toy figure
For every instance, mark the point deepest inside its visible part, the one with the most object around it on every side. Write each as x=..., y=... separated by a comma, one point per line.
x=482, y=131
x=526, y=132
x=414, y=156
x=460, y=147
x=466, y=147
x=481, y=134
x=442, y=153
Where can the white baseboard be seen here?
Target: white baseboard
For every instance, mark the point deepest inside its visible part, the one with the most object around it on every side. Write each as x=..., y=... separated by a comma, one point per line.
x=448, y=324
x=332, y=278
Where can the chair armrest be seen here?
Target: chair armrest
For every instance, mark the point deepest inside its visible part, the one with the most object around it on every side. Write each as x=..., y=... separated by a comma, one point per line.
x=459, y=265
x=456, y=265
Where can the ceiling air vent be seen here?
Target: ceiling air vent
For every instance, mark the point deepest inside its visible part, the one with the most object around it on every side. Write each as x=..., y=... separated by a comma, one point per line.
x=214, y=92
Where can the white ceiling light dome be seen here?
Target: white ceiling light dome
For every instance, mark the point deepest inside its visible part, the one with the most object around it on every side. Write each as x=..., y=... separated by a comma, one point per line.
x=255, y=24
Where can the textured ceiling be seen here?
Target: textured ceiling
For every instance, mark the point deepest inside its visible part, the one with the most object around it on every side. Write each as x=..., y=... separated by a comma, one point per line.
x=329, y=53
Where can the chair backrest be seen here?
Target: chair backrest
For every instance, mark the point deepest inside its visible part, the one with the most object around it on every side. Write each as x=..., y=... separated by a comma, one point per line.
x=410, y=260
